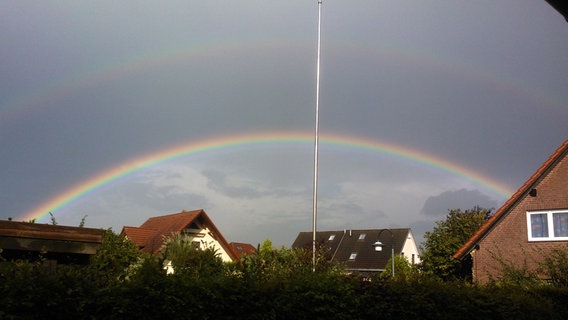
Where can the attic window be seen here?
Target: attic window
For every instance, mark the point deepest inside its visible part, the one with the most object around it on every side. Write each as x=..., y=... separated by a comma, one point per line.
x=331, y=237
x=362, y=236
x=353, y=256
x=547, y=225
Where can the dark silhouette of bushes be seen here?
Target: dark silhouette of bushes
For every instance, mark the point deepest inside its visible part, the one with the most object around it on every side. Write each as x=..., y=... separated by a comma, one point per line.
x=271, y=284
x=74, y=293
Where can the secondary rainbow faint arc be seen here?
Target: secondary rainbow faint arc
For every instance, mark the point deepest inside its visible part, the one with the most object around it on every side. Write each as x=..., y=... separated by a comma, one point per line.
x=129, y=65
x=232, y=141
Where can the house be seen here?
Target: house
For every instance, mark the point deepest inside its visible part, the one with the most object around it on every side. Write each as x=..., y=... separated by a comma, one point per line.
x=530, y=224
x=241, y=249
x=54, y=243
x=358, y=251
x=150, y=236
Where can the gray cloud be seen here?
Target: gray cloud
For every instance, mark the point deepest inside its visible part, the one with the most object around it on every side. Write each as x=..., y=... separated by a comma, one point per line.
x=218, y=181
x=419, y=228
x=437, y=206
x=89, y=87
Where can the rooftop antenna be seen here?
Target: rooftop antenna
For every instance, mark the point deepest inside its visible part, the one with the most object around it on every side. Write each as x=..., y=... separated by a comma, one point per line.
x=316, y=142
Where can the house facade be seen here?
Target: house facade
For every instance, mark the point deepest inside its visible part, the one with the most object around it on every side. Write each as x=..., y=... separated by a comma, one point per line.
x=357, y=249
x=196, y=224
x=527, y=227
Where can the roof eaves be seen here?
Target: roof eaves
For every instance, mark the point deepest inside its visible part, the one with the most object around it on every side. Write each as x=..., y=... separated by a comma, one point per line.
x=515, y=198
x=221, y=239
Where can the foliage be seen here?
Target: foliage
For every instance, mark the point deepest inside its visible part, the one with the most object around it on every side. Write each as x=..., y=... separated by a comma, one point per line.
x=403, y=269
x=52, y=219
x=188, y=259
x=270, y=284
x=555, y=266
x=446, y=238
x=115, y=256
x=82, y=223
x=27, y=292
x=268, y=263
x=552, y=270
x=515, y=273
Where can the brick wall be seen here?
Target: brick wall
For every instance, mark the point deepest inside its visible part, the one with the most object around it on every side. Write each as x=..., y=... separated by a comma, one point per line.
x=508, y=240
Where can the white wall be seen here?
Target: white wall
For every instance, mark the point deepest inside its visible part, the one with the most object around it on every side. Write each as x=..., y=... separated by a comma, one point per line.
x=410, y=248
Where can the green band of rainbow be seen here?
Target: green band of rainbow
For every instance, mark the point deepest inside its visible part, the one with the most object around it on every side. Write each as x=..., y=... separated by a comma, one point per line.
x=259, y=138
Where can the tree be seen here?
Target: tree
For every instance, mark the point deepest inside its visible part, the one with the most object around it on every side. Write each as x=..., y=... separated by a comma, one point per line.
x=269, y=263
x=115, y=256
x=189, y=259
x=403, y=269
x=446, y=238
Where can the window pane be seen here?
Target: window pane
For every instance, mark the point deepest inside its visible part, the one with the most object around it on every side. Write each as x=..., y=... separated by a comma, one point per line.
x=560, y=220
x=539, y=225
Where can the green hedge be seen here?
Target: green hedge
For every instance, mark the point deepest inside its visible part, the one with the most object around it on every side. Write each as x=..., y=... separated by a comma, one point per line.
x=79, y=293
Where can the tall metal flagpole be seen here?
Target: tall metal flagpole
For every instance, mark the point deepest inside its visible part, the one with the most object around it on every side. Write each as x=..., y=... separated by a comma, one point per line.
x=316, y=142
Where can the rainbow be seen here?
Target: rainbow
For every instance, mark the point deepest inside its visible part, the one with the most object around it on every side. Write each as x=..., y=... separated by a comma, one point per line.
x=259, y=138
x=174, y=56
x=115, y=70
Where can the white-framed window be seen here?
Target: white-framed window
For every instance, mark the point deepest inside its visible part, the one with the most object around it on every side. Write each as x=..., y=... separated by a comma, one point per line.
x=549, y=225
x=353, y=256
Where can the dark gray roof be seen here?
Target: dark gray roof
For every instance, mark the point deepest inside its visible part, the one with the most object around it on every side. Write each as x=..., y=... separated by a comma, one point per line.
x=346, y=242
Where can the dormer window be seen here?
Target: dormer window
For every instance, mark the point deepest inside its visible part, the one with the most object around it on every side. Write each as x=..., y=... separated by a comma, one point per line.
x=331, y=237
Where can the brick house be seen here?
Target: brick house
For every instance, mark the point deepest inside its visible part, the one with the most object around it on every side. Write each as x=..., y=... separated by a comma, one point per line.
x=150, y=236
x=357, y=249
x=529, y=225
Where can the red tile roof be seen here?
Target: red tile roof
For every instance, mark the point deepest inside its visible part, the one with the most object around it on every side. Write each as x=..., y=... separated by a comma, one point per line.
x=558, y=155
x=242, y=248
x=137, y=235
x=166, y=226
x=150, y=235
